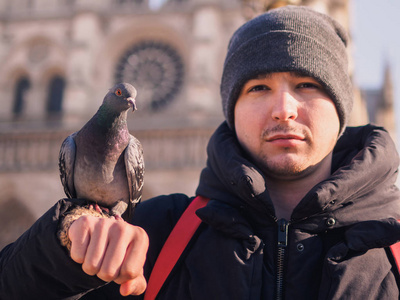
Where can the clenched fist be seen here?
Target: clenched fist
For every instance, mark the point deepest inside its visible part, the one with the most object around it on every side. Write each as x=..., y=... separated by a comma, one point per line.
x=111, y=249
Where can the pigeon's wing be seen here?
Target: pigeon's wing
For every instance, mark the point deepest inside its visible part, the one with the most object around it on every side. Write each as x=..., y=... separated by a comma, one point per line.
x=134, y=164
x=66, y=161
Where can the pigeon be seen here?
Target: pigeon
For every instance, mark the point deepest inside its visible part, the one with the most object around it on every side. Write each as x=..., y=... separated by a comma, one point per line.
x=102, y=162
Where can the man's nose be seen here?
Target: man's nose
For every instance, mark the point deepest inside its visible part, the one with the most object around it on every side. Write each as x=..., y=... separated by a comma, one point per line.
x=285, y=106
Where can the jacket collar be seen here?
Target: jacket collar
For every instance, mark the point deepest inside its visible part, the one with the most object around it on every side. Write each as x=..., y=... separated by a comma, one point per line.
x=365, y=165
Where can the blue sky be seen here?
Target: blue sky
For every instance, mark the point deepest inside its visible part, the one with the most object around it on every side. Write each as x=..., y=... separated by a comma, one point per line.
x=376, y=37
x=375, y=30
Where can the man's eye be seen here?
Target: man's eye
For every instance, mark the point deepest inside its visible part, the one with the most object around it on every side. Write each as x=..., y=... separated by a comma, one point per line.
x=308, y=85
x=258, y=88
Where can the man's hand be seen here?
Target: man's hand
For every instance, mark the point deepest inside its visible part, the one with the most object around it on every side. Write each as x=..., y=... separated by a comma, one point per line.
x=112, y=249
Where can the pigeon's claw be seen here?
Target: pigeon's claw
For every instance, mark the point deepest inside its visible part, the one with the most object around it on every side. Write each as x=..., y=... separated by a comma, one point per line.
x=99, y=209
x=105, y=211
x=118, y=218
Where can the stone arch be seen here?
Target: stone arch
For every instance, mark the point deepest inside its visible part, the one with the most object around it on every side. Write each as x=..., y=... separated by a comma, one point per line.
x=38, y=54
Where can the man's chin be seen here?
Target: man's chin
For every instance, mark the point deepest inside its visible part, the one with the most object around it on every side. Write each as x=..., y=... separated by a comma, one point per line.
x=290, y=169
x=288, y=173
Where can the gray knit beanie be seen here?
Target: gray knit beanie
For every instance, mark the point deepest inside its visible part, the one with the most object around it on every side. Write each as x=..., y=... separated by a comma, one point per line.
x=290, y=38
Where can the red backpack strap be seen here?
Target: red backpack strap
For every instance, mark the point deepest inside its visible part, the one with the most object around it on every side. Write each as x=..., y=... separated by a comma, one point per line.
x=395, y=249
x=174, y=246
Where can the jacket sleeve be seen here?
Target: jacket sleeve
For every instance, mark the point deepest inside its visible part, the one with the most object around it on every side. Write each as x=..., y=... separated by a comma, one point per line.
x=36, y=266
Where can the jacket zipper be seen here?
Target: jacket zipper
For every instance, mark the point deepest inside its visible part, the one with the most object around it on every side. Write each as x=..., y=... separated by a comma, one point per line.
x=283, y=226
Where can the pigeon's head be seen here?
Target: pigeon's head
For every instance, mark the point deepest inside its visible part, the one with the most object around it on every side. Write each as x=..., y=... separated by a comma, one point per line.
x=121, y=97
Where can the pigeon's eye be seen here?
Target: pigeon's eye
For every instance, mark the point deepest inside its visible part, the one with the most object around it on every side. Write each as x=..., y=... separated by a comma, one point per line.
x=118, y=92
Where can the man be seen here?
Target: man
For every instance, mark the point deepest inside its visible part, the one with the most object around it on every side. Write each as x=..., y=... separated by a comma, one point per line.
x=301, y=206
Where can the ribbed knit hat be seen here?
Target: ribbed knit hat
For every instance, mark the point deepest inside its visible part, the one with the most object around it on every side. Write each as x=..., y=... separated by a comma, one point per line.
x=290, y=38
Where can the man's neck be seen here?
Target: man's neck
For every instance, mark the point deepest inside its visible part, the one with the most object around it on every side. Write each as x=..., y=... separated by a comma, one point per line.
x=287, y=193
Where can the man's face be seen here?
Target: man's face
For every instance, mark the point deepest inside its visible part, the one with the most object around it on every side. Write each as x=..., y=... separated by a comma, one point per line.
x=287, y=124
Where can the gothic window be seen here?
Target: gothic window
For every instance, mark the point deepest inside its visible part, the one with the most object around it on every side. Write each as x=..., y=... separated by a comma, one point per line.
x=155, y=69
x=21, y=88
x=55, y=95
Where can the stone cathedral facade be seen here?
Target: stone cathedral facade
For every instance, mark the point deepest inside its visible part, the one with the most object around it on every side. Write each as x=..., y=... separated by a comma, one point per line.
x=58, y=58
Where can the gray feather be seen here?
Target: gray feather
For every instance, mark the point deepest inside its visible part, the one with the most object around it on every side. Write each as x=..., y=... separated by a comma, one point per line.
x=66, y=165
x=134, y=165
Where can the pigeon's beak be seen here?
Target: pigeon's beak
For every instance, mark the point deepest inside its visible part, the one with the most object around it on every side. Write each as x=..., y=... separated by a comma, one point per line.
x=132, y=102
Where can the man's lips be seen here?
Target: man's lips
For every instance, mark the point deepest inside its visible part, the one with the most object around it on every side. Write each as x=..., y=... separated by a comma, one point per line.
x=285, y=140
x=284, y=136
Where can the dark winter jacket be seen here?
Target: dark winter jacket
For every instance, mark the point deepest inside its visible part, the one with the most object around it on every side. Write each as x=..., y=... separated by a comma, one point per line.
x=334, y=246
